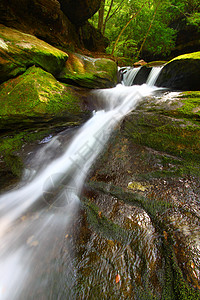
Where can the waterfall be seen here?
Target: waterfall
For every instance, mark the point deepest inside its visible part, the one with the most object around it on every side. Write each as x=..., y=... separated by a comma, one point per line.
x=129, y=76
x=36, y=214
x=153, y=76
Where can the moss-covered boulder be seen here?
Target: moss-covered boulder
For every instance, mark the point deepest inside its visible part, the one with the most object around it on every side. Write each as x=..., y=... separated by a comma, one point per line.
x=18, y=51
x=31, y=106
x=182, y=72
x=37, y=94
x=89, y=72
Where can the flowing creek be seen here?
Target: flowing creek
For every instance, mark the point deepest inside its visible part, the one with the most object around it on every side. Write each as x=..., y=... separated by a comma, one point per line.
x=36, y=215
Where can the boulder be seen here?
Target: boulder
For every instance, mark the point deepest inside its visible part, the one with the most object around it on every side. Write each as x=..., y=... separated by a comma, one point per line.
x=89, y=72
x=141, y=202
x=18, y=51
x=42, y=18
x=139, y=63
x=79, y=11
x=37, y=94
x=182, y=72
x=32, y=106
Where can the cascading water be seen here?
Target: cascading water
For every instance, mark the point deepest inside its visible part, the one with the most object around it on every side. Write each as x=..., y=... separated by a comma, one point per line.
x=129, y=76
x=35, y=215
x=153, y=76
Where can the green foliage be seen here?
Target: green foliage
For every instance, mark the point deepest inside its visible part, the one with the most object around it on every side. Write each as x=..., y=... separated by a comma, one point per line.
x=125, y=48
x=158, y=37
x=194, y=20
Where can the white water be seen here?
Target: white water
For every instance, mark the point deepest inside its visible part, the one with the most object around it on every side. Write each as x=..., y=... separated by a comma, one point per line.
x=130, y=75
x=35, y=216
x=153, y=76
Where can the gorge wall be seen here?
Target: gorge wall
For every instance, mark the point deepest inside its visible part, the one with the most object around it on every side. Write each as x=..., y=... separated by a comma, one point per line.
x=61, y=23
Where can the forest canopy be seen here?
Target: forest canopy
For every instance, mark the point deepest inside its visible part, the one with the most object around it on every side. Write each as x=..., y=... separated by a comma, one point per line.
x=138, y=29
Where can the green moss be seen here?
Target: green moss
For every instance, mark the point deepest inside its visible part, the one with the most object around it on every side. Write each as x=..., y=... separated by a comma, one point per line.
x=89, y=72
x=103, y=225
x=167, y=135
x=24, y=50
x=10, y=145
x=156, y=63
x=194, y=55
x=174, y=277
x=191, y=104
x=35, y=93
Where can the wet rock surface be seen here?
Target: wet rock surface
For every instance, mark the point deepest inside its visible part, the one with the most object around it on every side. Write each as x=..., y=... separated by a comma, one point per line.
x=139, y=234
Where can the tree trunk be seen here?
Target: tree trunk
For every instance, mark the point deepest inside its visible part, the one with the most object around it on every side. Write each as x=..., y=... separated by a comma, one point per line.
x=106, y=19
x=101, y=15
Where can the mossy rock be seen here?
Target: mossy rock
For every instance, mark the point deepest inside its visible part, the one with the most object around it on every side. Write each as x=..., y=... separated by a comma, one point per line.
x=10, y=145
x=37, y=94
x=18, y=51
x=157, y=63
x=89, y=72
x=182, y=73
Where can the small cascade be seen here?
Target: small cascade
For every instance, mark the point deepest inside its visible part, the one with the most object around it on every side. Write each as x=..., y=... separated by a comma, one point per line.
x=153, y=76
x=130, y=75
x=35, y=216
x=141, y=75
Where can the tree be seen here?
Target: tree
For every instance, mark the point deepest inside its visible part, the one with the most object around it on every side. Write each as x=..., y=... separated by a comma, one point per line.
x=129, y=21
x=156, y=9
x=101, y=15
x=144, y=27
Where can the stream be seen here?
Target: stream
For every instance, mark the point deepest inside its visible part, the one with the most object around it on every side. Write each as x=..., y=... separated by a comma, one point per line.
x=36, y=215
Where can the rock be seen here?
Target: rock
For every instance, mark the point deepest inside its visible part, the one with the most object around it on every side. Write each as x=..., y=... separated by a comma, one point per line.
x=37, y=94
x=139, y=63
x=78, y=11
x=157, y=63
x=142, y=75
x=31, y=106
x=42, y=18
x=89, y=72
x=141, y=201
x=182, y=73
x=18, y=51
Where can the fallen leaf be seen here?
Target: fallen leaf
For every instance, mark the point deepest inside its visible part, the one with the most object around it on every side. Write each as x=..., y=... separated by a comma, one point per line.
x=100, y=214
x=117, y=278
x=165, y=235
